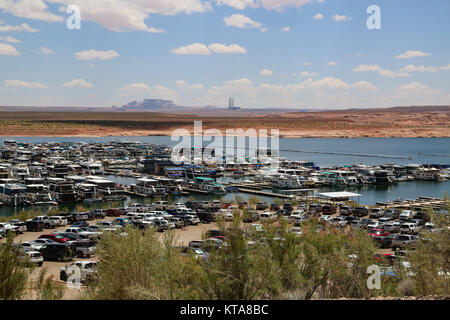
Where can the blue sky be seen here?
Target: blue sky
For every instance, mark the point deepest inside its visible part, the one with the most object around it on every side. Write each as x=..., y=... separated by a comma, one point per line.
x=266, y=53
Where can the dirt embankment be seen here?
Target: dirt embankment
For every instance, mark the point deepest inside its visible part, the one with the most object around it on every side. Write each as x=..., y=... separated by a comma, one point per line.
x=327, y=124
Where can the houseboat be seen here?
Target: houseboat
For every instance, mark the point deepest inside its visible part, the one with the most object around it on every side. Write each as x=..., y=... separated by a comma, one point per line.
x=13, y=194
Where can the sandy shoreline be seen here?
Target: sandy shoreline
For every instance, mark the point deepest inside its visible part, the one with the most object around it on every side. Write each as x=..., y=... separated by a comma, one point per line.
x=283, y=134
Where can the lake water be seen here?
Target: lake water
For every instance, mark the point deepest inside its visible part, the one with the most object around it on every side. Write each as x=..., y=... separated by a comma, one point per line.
x=394, y=150
x=402, y=151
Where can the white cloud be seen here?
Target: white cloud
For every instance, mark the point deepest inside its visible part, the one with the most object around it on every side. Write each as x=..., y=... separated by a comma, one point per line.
x=264, y=29
x=141, y=89
x=24, y=84
x=45, y=50
x=381, y=71
x=413, y=68
x=325, y=92
x=24, y=27
x=125, y=15
x=96, y=54
x=447, y=67
x=78, y=83
x=308, y=74
x=241, y=21
x=185, y=85
x=318, y=16
x=222, y=48
x=364, y=85
x=332, y=63
x=135, y=88
x=412, y=54
x=286, y=29
x=367, y=67
x=30, y=9
x=307, y=64
x=8, y=50
x=277, y=5
x=10, y=39
x=195, y=48
x=266, y=72
x=393, y=74
x=339, y=18
x=416, y=89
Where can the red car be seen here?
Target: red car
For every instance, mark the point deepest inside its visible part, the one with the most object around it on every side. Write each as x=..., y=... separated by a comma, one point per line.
x=54, y=237
x=378, y=233
x=113, y=213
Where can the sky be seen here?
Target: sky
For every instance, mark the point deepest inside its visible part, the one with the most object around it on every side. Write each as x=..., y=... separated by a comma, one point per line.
x=299, y=54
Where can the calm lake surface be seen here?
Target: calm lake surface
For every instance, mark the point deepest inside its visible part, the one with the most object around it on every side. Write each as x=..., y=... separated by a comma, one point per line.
x=322, y=152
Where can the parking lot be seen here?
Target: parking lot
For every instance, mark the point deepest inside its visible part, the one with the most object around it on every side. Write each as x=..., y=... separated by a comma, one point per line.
x=372, y=220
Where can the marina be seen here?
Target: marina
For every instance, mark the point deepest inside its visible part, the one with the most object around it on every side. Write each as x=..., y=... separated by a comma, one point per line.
x=46, y=175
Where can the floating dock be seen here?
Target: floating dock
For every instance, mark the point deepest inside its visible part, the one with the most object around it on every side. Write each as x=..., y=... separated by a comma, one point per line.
x=265, y=193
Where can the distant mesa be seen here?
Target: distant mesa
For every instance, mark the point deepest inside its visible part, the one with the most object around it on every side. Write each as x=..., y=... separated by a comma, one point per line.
x=150, y=104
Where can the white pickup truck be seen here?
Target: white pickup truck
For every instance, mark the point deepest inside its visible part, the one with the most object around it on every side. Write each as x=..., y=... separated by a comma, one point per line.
x=45, y=221
x=87, y=269
x=81, y=232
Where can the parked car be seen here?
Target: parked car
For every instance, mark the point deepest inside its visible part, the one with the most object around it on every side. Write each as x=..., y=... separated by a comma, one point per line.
x=344, y=210
x=179, y=223
x=409, y=228
x=59, y=220
x=212, y=233
x=338, y=221
x=35, y=257
x=19, y=224
x=34, y=225
x=36, y=244
x=406, y=215
x=205, y=216
x=9, y=228
x=88, y=271
x=84, y=248
x=113, y=213
x=58, y=251
x=392, y=227
x=54, y=237
x=376, y=213
x=288, y=206
x=315, y=208
x=98, y=213
x=274, y=207
x=392, y=213
x=45, y=221
x=404, y=240
x=197, y=253
x=261, y=206
x=378, y=233
x=191, y=220
x=81, y=231
x=216, y=204
x=250, y=216
x=330, y=209
x=267, y=216
x=374, y=225
x=360, y=211
x=80, y=224
x=383, y=241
